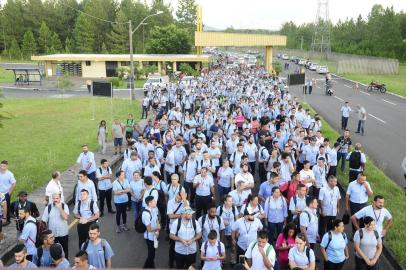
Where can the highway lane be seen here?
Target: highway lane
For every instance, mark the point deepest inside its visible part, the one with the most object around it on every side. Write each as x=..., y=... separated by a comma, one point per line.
x=385, y=127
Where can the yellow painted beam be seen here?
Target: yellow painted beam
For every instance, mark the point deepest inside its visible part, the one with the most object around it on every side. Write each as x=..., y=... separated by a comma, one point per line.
x=236, y=39
x=268, y=59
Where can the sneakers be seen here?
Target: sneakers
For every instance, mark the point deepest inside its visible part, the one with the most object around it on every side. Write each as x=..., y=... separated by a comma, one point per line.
x=125, y=228
x=118, y=229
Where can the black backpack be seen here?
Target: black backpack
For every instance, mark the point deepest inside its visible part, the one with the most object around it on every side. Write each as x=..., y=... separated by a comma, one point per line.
x=330, y=237
x=233, y=210
x=91, y=207
x=297, y=219
x=180, y=223
x=355, y=160
x=204, y=221
x=139, y=226
x=161, y=196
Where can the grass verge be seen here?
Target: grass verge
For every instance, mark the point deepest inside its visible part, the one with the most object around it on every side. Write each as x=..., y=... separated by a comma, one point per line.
x=383, y=185
x=44, y=135
x=137, y=84
x=6, y=76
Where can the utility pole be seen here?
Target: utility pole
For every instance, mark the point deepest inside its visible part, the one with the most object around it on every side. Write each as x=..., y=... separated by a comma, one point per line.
x=301, y=43
x=130, y=33
x=321, y=35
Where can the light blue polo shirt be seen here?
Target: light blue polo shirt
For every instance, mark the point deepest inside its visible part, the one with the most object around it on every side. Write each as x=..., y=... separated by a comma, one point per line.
x=335, y=250
x=118, y=186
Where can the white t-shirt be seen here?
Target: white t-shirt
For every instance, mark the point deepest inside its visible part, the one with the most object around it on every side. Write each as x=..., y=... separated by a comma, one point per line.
x=53, y=188
x=212, y=251
x=256, y=257
x=305, y=175
x=380, y=216
x=247, y=231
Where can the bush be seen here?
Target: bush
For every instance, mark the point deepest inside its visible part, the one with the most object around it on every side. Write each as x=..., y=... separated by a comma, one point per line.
x=277, y=66
x=115, y=81
x=188, y=70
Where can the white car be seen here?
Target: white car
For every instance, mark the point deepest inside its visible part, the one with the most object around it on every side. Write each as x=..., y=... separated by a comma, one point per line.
x=156, y=80
x=285, y=57
x=313, y=66
x=302, y=62
x=322, y=70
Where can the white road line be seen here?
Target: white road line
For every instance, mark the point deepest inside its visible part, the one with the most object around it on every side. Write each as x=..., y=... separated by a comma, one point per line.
x=389, y=102
x=347, y=86
x=365, y=93
x=339, y=98
x=377, y=118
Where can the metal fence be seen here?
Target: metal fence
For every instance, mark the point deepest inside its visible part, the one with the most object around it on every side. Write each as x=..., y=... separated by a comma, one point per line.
x=351, y=63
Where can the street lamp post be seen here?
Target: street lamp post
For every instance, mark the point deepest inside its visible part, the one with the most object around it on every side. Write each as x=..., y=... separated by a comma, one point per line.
x=130, y=33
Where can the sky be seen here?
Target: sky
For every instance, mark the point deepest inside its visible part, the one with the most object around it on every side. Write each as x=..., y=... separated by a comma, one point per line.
x=271, y=14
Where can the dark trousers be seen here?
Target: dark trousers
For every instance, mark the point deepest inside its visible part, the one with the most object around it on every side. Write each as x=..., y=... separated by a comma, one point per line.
x=92, y=176
x=184, y=261
x=222, y=191
x=190, y=191
x=64, y=241
x=144, y=111
x=121, y=212
x=354, y=208
x=343, y=157
x=171, y=253
x=325, y=224
x=333, y=266
x=274, y=229
x=310, y=89
x=344, y=122
x=105, y=195
x=149, y=262
x=7, y=197
x=252, y=167
x=305, y=89
x=262, y=172
x=239, y=252
x=83, y=232
x=162, y=213
x=202, y=203
x=353, y=175
x=360, y=264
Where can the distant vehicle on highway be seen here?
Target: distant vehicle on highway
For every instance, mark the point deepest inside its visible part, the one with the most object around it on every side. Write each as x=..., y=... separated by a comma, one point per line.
x=322, y=70
x=313, y=66
x=302, y=62
x=285, y=57
x=156, y=80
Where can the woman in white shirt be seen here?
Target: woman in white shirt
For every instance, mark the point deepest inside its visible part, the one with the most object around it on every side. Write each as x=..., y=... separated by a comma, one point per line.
x=225, y=177
x=102, y=136
x=276, y=211
x=253, y=207
x=301, y=255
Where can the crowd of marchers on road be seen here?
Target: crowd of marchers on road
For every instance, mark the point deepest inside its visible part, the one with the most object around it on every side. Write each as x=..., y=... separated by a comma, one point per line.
x=190, y=176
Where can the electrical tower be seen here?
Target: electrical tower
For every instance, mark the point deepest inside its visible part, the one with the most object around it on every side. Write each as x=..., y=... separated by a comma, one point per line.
x=321, y=36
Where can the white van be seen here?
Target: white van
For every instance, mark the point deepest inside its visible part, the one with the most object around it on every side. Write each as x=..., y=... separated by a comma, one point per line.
x=156, y=80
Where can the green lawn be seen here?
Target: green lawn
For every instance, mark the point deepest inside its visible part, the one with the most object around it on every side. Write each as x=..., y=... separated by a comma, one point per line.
x=381, y=184
x=44, y=135
x=138, y=84
x=6, y=76
x=394, y=83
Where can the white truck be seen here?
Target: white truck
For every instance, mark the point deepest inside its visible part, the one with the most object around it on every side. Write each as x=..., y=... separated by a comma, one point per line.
x=156, y=80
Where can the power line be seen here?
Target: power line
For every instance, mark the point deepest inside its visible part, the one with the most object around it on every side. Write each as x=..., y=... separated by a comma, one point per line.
x=90, y=15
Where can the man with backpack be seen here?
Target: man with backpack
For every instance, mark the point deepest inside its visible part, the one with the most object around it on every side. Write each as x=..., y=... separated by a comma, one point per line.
x=357, y=162
x=211, y=221
x=87, y=212
x=104, y=175
x=21, y=203
x=98, y=249
x=212, y=252
x=149, y=217
x=56, y=215
x=42, y=258
x=260, y=254
x=28, y=235
x=309, y=221
x=185, y=231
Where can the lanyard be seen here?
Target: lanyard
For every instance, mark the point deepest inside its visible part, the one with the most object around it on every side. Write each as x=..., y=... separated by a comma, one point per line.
x=377, y=217
x=247, y=229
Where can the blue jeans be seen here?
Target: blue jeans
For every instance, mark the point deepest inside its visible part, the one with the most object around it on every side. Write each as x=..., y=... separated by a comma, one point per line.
x=361, y=125
x=136, y=208
x=274, y=229
x=343, y=157
x=222, y=192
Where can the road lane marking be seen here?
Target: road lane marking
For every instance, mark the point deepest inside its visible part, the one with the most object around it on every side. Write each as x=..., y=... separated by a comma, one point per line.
x=347, y=86
x=73, y=223
x=339, y=98
x=389, y=102
x=377, y=118
x=365, y=93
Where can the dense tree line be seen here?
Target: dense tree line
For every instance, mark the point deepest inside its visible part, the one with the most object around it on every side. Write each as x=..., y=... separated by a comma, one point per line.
x=382, y=33
x=64, y=26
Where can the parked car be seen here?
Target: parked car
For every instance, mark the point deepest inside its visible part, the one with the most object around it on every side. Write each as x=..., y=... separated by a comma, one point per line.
x=285, y=57
x=302, y=62
x=156, y=80
x=322, y=70
x=313, y=66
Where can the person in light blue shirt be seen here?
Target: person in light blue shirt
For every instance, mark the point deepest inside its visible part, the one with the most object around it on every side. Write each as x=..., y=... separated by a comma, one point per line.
x=301, y=255
x=276, y=212
x=98, y=249
x=136, y=187
x=120, y=189
x=20, y=253
x=104, y=176
x=334, y=247
x=58, y=257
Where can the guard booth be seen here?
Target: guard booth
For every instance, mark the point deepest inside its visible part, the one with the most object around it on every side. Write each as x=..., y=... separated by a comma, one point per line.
x=26, y=75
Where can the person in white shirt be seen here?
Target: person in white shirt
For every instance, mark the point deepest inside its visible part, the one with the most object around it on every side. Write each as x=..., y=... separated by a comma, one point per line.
x=298, y=201
x=329, y=199
x=306, y=175
x=212, y=252
x=309, y=222
x=358, y=193
x=7, y=185
x=345, y=114
x=245, y=177
x=362, y=117
x=190, y=168
x=245, y=231
x=186, y=232
x=287, y=168
x=236, y=158
x=260, y=254
x=151, y=222
x=86, y=159
x=239, y=196
x=320, y=174
x=54, y=186
x=381, y=216
x=170, y=163
x=204, y=185
x=301, y=256
x=251, y=149
x=211, y=221
x=131, y=165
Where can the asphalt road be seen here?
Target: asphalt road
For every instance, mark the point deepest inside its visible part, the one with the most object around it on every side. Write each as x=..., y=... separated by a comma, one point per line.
x=385, y=127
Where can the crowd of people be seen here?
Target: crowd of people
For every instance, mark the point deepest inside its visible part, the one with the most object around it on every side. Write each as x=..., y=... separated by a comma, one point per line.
x=229, y=168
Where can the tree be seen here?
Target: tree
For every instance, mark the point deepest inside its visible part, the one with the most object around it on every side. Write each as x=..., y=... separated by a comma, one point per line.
x=14, y=51
x=168, y=40
x=84, y=34
x=45, y=38
x=186, y=15
x=56, y=45
x=163, y=19
x=118, y=37
x=187, y=69
x=69, y=44
x=104, y=49
x=29, y=46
